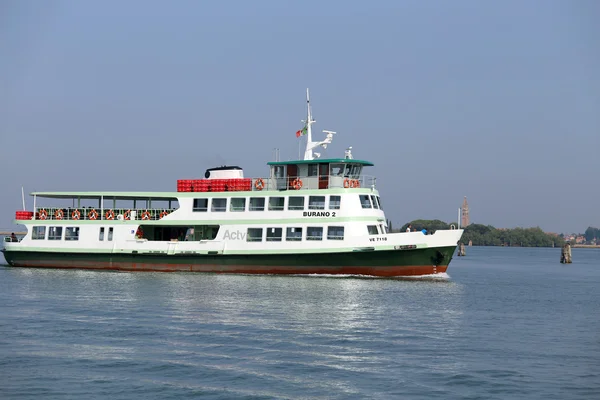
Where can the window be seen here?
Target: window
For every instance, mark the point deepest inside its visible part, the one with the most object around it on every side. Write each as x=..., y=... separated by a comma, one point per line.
x=336, y=169
x=364, y=201
x=293, y=234
x=55, y=233
x=313, y=170
x=335, y=233
x=372, y=229
x=72, y=233
x=110, y=234
x=257, y=203
x=334, y=202
x=296, y=203
x=274, y=234
x=254, y=235
x=101, y=236
x=238, y=204
x=383, y=229
x=218, y=205
x=379, y=202
x=374, y=202
x=276, y=203
x=316, y=202
x=314, y=233
x=200, y=205
x=39, y=233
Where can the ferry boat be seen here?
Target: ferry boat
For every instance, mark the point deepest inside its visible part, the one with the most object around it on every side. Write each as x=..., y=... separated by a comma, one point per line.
x=308, y=216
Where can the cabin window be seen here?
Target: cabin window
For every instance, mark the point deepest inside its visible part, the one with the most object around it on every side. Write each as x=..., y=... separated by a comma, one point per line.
x=55, y=233
x=257, y=203
x=383, y=229
x=314, y=233
x=200, y=205
x=335, y=233
x=355, y=172
x=313, y=170
x=218, y=205
x=364, y=201
x=316, y=202
x=254, y=235
x=72, y=233
x=110, y=234
x=334, y=202
x=276, y=203
x=293, y=234
x=101, y=235
x=296, y=203
x=336, y=169
x=238, y=204
x=374, y=202
x=372, y=229
x=39, y=233
x=379, y=202
x=279, y=171
x=274, y=234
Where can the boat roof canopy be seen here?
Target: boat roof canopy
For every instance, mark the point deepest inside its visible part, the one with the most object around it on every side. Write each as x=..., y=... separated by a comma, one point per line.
x=324, y=161
x=106, y=195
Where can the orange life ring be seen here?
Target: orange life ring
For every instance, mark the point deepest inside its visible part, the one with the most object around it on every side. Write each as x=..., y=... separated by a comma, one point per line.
x=259, y=184
x=43, y=214
x=127, y=215
x=297, y=184
x=146, y=215
x=163, y=214
x=93, y=215
x=346, y=183
x=110, y=215
x=75, y=215
x=356, y=183
x=58, y=214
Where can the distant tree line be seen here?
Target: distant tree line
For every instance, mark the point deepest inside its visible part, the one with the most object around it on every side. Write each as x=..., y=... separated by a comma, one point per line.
x=487, y=235
x=591, y=234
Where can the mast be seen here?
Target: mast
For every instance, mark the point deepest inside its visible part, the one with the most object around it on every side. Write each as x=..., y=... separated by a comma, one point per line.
x=310, y=145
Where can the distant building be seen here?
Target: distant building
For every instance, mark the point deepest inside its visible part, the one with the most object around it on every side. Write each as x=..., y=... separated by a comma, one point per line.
x=464, y=217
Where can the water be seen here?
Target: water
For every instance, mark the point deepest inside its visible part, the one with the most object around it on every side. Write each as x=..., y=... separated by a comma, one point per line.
x=506, y=323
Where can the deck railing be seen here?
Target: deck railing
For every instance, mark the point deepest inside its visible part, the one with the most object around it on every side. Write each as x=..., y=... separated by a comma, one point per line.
x=313, y=182
x=94, y=213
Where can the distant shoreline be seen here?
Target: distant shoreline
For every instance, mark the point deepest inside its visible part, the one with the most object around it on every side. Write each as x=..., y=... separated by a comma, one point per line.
x=585, y=246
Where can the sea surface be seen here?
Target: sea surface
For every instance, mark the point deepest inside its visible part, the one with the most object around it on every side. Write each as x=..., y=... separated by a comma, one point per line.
x=505, y=323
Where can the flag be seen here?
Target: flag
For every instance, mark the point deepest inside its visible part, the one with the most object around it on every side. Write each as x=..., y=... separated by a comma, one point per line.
x=301, y=132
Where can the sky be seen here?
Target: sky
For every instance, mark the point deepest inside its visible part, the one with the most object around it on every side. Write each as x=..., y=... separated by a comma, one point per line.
x=496, y=101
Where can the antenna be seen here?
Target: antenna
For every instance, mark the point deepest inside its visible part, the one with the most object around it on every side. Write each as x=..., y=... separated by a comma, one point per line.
x=310, y=145
x=23, y=197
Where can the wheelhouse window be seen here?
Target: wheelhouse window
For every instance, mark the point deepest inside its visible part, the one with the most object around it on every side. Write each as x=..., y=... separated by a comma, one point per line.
x=238, y=204
x=374, y=202
x=296, y=203
x=72, y=233
x=379, y=202
x=274, y=234
x=313, y=170
x=257, y=203
x=101, y=235
x=364, y=201
x=372, y=229
x=336, y=169
x=200, y=205
x=316, y=202
x=293, y=234
x=39, y=233
x=276, y=203
x=254, y=235
x=334, y=202
x=335, y=233
x=218, y=205
x=55, y=233
x=314, y=233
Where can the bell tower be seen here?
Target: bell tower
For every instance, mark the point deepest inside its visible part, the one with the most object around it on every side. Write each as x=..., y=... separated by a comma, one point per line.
x=464, y=216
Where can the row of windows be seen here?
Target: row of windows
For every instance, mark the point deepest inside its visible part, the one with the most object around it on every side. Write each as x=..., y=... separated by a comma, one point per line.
x=294, y=234
x=277, y=203
x=71, y=233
